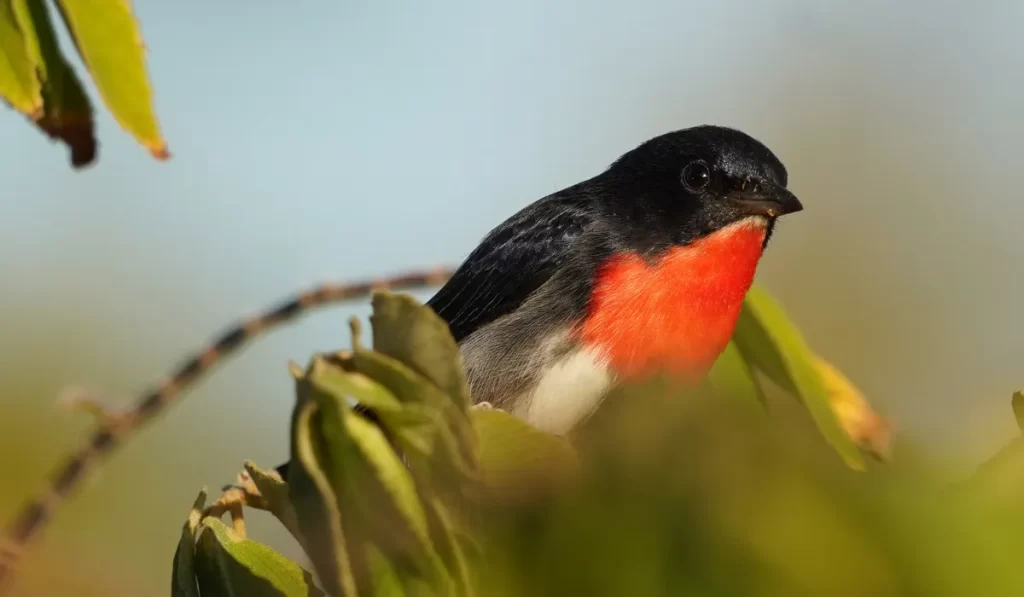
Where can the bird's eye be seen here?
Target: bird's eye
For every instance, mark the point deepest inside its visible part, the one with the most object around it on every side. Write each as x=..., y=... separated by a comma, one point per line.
x=696, y=175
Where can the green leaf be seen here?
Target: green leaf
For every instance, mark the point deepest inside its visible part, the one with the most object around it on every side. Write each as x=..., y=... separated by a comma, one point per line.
x=405, y=384
x=731, y=375
x=770, y=342
x=413, y=334
x=428, y=424
x=232, y=565
x=183, y=572
x=1018, y=408
x=390, y=472
x=316, y=506
x=410, y=336
x=446, y=537
x=110, y=44
x=67, y=113
x=516, y=459
x=18, y=82
x=757, y=347
x=367, y=476
x=386, y=582
x=410, y=426
x=442, y=466
x=365, y=390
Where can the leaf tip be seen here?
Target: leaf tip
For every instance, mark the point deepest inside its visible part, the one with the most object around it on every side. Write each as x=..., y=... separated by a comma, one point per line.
x=195, y=514
x=855, y=463
x=160, y=152
x=356, y=329
x=83, y=150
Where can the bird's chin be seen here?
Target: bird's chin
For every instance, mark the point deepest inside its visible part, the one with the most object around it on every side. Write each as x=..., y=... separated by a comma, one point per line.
x=760, y=224
x=756, y=221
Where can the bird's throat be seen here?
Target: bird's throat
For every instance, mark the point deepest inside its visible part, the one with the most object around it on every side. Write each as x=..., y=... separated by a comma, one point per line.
x=678, y=313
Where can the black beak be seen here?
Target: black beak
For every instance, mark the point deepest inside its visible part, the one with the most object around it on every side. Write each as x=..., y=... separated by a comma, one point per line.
x=771, y=203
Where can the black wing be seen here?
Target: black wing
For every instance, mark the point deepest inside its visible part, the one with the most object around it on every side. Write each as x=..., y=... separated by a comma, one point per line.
x=510, y=263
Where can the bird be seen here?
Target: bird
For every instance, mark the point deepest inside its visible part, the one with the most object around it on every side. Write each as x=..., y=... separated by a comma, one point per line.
x=641, y=269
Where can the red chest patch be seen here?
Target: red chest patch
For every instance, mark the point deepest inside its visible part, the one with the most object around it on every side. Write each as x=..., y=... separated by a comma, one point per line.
x=679, y=313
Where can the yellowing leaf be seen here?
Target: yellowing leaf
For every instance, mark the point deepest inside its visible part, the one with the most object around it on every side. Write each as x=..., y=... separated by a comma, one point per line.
x=108, y=40
x=864, y=426
x=67, y=113
x=18, y=82
x=770, y=342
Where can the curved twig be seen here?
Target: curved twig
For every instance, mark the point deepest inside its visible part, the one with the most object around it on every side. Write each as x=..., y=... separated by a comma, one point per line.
x=114, y=428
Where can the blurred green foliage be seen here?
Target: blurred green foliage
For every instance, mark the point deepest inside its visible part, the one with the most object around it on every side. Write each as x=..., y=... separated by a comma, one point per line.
x=664, y=491
x=696, y=496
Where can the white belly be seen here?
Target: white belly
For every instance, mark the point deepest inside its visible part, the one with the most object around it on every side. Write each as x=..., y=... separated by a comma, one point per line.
x=568, y=392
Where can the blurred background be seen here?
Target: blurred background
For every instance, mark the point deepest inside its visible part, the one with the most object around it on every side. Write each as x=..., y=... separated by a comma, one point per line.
x=321, y=141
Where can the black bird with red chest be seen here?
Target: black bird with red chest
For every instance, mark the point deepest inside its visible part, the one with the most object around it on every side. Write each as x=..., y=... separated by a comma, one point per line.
x=640, y=269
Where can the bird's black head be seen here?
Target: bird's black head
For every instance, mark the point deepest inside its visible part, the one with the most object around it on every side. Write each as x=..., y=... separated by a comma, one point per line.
x=683, y=185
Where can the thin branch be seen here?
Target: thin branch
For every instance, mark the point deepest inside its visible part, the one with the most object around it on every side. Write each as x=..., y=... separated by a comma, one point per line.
x=231, y=501
x=114, y=428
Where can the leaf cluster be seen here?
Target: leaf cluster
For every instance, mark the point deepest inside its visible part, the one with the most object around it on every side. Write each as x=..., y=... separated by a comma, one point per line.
x=398, y=486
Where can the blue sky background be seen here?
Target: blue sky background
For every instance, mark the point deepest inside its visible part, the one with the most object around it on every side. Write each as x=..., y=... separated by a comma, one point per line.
x=337, y=140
